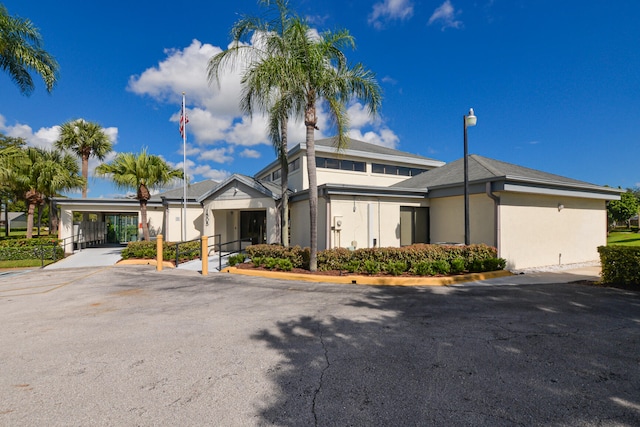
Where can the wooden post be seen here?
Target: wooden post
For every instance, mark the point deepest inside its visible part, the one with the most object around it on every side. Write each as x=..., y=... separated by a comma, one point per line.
x=204, y=254
x=159, y=257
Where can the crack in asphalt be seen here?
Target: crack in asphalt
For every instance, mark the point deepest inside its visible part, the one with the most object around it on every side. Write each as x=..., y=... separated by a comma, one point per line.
x=317, y=390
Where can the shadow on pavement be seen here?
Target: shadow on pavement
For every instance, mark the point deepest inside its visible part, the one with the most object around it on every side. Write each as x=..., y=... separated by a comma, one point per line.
x=523, y=355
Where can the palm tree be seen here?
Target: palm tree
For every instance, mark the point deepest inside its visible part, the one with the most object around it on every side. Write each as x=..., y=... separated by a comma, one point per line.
x=271, y=41
x=139, y=172
x=44, y=175
x=12, y=156
x=85, y=139
x=21, y=52
x=315, y=70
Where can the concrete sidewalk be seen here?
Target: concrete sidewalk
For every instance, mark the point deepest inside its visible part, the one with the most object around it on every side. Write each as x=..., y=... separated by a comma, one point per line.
x=90, y=257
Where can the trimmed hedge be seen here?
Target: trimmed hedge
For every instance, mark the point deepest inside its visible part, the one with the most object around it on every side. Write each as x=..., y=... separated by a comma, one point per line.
x=147, y=250
x=420, y=259
x=298, y=256
x=620, y=265
x=36, y=248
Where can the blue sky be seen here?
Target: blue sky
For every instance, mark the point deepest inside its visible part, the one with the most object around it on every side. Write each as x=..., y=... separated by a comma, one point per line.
x=555, y=84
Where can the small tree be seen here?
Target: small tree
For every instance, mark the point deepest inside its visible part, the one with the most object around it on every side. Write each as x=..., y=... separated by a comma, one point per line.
x=624, y=209
x=139, y=172
x=84, y=139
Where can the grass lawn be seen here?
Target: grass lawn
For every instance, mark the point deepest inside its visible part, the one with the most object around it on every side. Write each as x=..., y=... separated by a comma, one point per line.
x=24, y=263
x=625, y=238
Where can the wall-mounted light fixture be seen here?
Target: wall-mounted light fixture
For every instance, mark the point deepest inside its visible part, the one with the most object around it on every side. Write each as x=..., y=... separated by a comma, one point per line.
x=560, y=207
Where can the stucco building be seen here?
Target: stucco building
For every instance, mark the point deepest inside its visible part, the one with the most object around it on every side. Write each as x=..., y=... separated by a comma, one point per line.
x=373, y=196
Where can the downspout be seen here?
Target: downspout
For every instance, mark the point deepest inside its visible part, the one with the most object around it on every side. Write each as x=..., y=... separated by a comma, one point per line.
x=496, y=215
x=328, y=219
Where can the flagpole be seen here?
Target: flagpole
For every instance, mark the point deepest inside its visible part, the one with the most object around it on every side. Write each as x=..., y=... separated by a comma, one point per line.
x=184, y=170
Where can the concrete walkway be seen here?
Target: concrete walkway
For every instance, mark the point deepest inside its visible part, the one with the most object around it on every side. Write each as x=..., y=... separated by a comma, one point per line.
x=101, y=256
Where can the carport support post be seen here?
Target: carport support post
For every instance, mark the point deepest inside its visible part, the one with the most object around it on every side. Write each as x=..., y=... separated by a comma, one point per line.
x=204, y=255
x=159, y=256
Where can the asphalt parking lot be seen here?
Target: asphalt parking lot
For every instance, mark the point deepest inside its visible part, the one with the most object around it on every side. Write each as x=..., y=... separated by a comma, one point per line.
x=131, y=346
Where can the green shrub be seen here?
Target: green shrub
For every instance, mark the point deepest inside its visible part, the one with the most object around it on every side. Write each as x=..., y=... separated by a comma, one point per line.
x=395, y=268
x=236, y=259
x=353, y=266
x=285, y=264
x=422, y=259
x=270, y=263
x=299, y=257
x=423, y=268
x=457, y=265
x=147, y=250
x=371, y=267
x=36, y=248
x=441, y=267
x=620, y=265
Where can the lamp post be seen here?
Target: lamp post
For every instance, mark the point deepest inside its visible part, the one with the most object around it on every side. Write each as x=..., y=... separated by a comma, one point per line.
x=468, y=120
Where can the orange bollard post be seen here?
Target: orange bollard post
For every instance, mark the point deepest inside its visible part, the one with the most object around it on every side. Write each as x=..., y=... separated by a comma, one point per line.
x=205, y=255
x=159, y=256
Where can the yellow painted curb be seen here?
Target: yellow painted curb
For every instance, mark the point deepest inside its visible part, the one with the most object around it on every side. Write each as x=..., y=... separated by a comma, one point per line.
x=366, y=280
x=144, y=262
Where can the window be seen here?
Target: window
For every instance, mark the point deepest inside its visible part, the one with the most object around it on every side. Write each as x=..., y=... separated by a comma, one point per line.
x=346, y=165
x=276, y=174
x=294, y=165
x=395, y=170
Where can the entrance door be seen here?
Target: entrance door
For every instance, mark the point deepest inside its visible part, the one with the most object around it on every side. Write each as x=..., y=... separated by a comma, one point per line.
x=122, y=228
x=414, y=225
x=253, y=225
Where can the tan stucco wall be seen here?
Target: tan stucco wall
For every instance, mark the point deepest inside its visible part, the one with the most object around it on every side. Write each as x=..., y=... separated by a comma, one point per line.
x=173, y=221
x=534, y=232
x=299, y=221
x=367, y=218
x=447, y=219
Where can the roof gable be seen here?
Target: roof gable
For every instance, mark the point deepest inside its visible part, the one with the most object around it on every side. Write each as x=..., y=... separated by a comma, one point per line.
x=267, y=189
x=483, y=169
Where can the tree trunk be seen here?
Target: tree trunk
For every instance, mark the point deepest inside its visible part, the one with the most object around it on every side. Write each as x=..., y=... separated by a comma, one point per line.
x=6, y=218
x=30, y=210
x=53, y=218
x=85, y=174
x=310, y=122
x=284, y=181
x=143, y=218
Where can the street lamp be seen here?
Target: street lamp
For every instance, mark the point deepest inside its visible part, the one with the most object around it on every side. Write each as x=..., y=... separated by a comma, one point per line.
x=468, y=120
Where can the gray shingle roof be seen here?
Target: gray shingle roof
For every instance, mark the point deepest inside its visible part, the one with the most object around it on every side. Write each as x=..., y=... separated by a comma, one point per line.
x=357, y=145
x=194, y=191
x=486, y=169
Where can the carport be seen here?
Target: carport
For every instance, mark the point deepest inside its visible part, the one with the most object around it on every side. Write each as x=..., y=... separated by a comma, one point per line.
x=116, y=221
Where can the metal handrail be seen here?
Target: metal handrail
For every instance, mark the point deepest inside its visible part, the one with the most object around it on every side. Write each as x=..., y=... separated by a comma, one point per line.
x=41, y=247
x=178, y=253
x=240, y=249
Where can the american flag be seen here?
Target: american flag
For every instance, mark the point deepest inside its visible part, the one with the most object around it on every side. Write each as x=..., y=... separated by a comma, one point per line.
x=183, y=119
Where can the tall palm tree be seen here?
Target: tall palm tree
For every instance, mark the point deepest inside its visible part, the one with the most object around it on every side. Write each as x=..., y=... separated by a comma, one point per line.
x=141, y=173
x=21, y=51
x=85, y=139
x=315, y=70
x=44, y=175
x=270, y=39
x=12, y=157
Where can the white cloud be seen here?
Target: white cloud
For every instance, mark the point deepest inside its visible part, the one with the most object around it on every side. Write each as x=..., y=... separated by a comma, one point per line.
x=250, y=154
x=385, y=137
x=215, y=118
x=45, y=138
x=388, y=10
x=218, y=155
x=445, y=14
